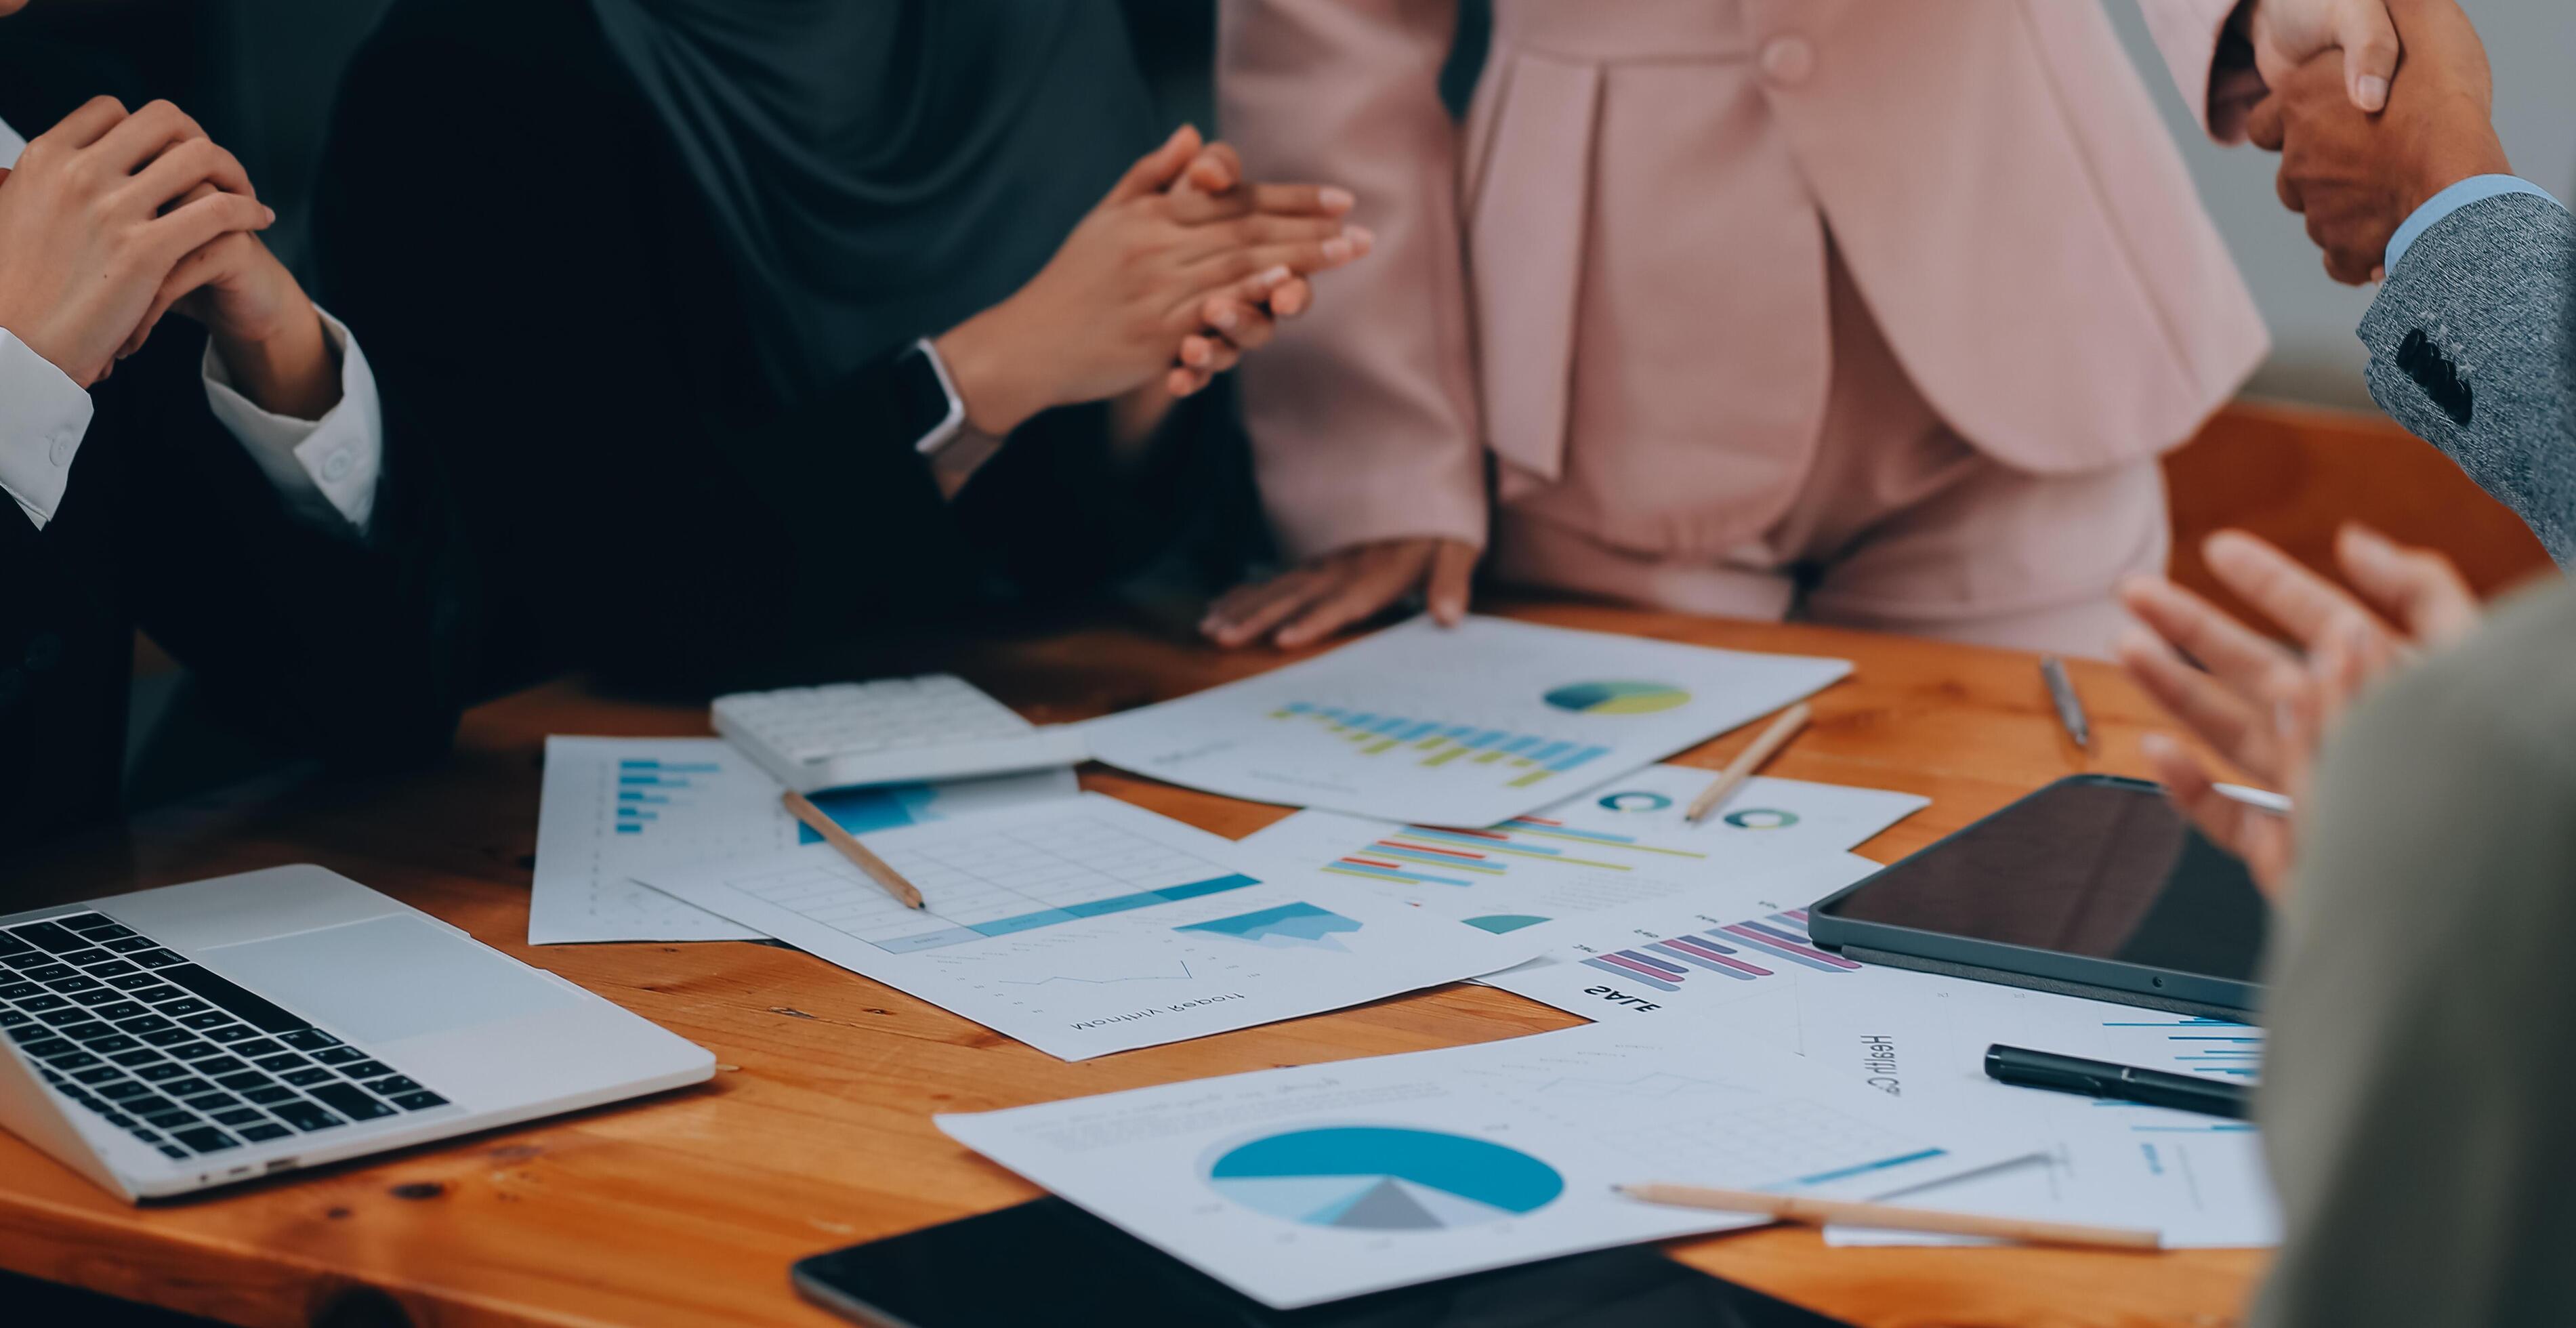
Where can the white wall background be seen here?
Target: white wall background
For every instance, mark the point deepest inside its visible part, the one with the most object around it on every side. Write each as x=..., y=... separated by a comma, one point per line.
x=2532, y=46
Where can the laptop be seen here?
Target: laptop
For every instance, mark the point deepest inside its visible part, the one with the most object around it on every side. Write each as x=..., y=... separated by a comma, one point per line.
x=176, y=1039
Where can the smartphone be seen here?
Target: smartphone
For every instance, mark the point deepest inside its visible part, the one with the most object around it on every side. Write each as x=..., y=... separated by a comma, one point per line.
x=2093, y=886
x=1048, y=1262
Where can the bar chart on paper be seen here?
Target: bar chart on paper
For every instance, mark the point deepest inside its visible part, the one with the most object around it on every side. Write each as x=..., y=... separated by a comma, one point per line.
x=1463, y=726
x=616, y=807
x=1541, y=880
x=1521, y=760
x=1736, y=950
x=1089, y=925
x=2185, y=1044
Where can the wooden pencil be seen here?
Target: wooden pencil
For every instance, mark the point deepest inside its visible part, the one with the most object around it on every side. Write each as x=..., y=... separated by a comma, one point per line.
x=1892, y=1217
x=1747, y=761
x=849, y=846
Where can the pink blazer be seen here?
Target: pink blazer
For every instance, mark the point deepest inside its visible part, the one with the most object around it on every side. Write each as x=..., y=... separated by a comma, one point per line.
x=1621, y=258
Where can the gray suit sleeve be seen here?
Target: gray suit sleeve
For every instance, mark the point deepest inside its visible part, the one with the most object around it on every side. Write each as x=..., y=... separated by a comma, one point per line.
x=2472, y=349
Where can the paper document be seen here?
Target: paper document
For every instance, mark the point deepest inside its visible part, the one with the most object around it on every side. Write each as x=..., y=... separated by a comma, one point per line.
x=1304, y=1185
x=1779, y=817
x=1462, y=726
x=614, y=807
x=1537, y=881
x=1089, y=926
x=1739, y=961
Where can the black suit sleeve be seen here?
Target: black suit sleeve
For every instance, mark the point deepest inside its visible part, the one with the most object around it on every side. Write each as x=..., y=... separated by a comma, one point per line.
x=344, y=646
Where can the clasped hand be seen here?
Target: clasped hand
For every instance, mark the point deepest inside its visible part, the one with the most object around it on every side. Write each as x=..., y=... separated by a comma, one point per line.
x=110, y=220
x=1167, y=281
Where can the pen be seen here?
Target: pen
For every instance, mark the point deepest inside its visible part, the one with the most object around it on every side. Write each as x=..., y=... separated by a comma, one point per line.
x=859, y=854
x=1747, y=761
x=1890, y=1217
x=2070, y=708
x=2025, y=1068
x=2261, y=800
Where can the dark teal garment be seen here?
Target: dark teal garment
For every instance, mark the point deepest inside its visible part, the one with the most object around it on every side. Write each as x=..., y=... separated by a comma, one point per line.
x=878, y=167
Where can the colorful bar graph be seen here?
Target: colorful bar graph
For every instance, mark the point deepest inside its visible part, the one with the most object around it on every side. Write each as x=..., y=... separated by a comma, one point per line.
x=1781, y=936
x=1615, y=965
x=1439, y=743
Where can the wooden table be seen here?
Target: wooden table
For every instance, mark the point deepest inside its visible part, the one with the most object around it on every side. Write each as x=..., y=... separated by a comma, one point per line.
x=688, y=1208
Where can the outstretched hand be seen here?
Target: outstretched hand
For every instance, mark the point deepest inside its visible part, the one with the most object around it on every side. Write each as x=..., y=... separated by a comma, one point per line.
x=2263, y=707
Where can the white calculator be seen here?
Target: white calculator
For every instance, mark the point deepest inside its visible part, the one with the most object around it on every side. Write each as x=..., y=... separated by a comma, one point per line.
x=891, y=731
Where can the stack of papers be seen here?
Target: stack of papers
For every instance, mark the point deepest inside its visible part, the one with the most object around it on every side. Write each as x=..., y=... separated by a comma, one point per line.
x=1481, y=804
x=1737, y=959
x=1090, y=926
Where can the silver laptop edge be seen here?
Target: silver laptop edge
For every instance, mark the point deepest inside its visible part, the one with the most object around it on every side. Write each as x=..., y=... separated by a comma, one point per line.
x=469, y=1039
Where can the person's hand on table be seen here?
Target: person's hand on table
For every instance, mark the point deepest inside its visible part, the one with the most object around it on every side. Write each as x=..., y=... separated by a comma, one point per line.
x=1324, y=595
x=1111, y=312
x=2263, y=707
x=2356, y=177
x=86, y=245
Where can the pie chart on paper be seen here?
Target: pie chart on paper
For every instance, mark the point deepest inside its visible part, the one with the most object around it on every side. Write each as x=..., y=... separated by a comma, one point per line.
x=1617, y=698
x=1383, y=1178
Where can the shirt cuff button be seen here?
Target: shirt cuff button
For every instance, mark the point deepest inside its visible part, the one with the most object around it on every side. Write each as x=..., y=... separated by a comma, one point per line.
x=337, y=468
x=61, y=452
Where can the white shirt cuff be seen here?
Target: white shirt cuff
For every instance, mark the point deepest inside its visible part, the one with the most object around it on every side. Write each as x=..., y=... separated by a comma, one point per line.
x=43, y=417
x=326, y=468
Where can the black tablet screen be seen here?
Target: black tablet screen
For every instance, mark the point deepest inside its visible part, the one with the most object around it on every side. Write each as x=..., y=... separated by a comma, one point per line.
x=2102, y=868
x=1049, y=1263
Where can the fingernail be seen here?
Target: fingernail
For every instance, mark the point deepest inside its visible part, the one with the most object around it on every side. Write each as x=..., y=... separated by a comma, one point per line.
x=1361, y=237
x=272, y=213
x=1223, y=319
x=1273, y=277
x=1336, y=199
x=1338, y=248
x=2374, y=92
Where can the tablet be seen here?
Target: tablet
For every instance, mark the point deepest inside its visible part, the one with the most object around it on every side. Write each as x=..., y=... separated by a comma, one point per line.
x=1049, y=1263
x=2093, y=886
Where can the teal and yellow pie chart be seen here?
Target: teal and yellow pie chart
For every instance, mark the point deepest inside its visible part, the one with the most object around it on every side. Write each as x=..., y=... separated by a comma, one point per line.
x=1617, y=698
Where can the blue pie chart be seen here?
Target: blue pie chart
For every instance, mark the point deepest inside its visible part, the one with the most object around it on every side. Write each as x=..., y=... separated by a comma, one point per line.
x=1383, y=1178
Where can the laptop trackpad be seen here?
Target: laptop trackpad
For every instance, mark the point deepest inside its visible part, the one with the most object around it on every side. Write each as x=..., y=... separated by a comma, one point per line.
x=388, y=978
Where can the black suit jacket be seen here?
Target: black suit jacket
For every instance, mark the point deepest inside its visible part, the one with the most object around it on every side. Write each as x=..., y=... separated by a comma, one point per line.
x=538, y=272
x=330, y=645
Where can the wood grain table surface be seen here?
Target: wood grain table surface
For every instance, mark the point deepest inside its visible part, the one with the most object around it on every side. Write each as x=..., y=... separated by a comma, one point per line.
x=688, y=1208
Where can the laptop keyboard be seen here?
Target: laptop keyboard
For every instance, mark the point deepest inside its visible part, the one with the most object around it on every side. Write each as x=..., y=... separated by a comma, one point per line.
x=173, y=1053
